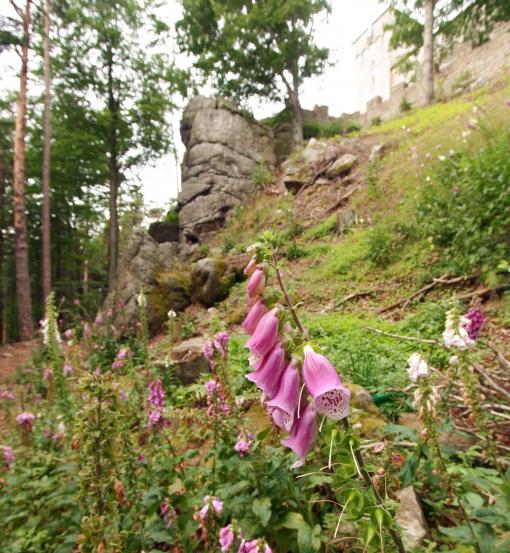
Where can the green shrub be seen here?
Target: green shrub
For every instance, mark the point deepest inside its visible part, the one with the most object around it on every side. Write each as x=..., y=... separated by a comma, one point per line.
x=405, y=105
x=262, y=176
x=376, y=121
x=381, y=245
x=317, y=129
x=464, y=209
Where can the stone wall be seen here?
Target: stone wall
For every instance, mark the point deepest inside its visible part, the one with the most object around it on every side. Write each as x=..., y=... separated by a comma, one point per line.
x=465, y=65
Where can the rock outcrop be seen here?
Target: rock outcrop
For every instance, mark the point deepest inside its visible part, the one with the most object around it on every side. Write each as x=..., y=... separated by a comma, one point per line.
x=211, y=280
x=155, y=268
x=224, y=147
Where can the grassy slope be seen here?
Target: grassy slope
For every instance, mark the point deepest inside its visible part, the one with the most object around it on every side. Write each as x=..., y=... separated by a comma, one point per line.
x=381, y=253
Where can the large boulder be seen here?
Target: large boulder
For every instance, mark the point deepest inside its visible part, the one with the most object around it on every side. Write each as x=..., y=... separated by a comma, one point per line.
x=155, y=268
x=211, y=280
x=224, y=148
x=189, y=363
x=164, y=232
x=411, y=518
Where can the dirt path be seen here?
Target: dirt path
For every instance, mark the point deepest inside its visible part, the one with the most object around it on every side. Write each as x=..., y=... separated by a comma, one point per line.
x=10, y=357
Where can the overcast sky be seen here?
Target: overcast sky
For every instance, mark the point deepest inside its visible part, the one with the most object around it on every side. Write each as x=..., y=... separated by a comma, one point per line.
x=337, y=88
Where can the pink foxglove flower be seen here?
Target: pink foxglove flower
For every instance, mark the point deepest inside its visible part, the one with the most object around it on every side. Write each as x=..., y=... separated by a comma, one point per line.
x=47, y=374
x=256, y=312
x=8, y=454
x=209, y=501
x=284, y=404
x=250, y=268
x=26, y=420
x=221, y=340
x=68, y=333
x=67, y=370
x=168, y=513
x=303, y=434
x=330, y=397
x=99, y=319
x=473, y=322
x=209, y=350
x=417, y=367
x=256, y=283
x=265, y=335
x=211, y=386
x=226, y=538
x=6, y=394
x=269, y=371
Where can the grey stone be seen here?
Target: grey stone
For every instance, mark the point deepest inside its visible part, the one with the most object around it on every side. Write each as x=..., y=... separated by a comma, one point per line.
x=164, y=231
x=342, y=166
x=211, y=280
x=189, y=363
x=410, y=517
x=155, y=268
x=224, y=147
x=376, y=152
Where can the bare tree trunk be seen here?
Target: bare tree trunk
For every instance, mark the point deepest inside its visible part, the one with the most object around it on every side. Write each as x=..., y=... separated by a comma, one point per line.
x=295, y=107
x=23, y=297
x=3, y=259
x=428, y=52
x=46, y=244
x=113, y=231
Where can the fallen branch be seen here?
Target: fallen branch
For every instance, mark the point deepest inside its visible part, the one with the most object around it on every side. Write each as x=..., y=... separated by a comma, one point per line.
x=355, y=295
x=342, y=199
x=441, y=281
x=483, y=293
x=480, y=370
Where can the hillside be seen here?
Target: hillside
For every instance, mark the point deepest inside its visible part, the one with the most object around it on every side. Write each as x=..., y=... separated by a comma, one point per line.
x=132, y=444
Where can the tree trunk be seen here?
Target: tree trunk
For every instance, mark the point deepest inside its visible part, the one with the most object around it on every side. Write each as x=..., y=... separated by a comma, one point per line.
x=295, y=106
x=113, y=231
x=46, y=244
x=428, y=52
x=3, y=259
x=23, y=297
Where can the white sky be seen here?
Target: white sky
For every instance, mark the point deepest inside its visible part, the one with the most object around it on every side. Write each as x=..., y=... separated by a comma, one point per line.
x=337, y=88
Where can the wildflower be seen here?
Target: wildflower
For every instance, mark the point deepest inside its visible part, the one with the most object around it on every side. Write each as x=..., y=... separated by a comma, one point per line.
x=250, y=268
x=265, y=335
x=330, y=397
x=8, y=455
x=417, y=367
x=68, y=370
x=142, y=300
x=171, y=314
x=379, y=447
x=268, y=371
x=303, y=435
x=47, y=374
x=168, y=513
x=76, y=302
x=243, y=443
x=118, y=364
x=226, y=538
x=99, y=319
x=256, y=283
x=86, y=330
x=209, y=501
x=285, y=402
x=256, y=312
x=123, y=353
x=6, y=394
x=123, y=395
x=473, y=322
x=26, y=420
x=68, y=333
x=211, y=386
x=156, y=402
x=221, y=342
x=209, y=350
x=455, y=333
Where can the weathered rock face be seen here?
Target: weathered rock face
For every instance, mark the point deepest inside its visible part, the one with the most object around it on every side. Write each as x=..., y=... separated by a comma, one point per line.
x=155, y=268
x=223, y=149
x=411, y=518
x=211, y=280
x=331, y=159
